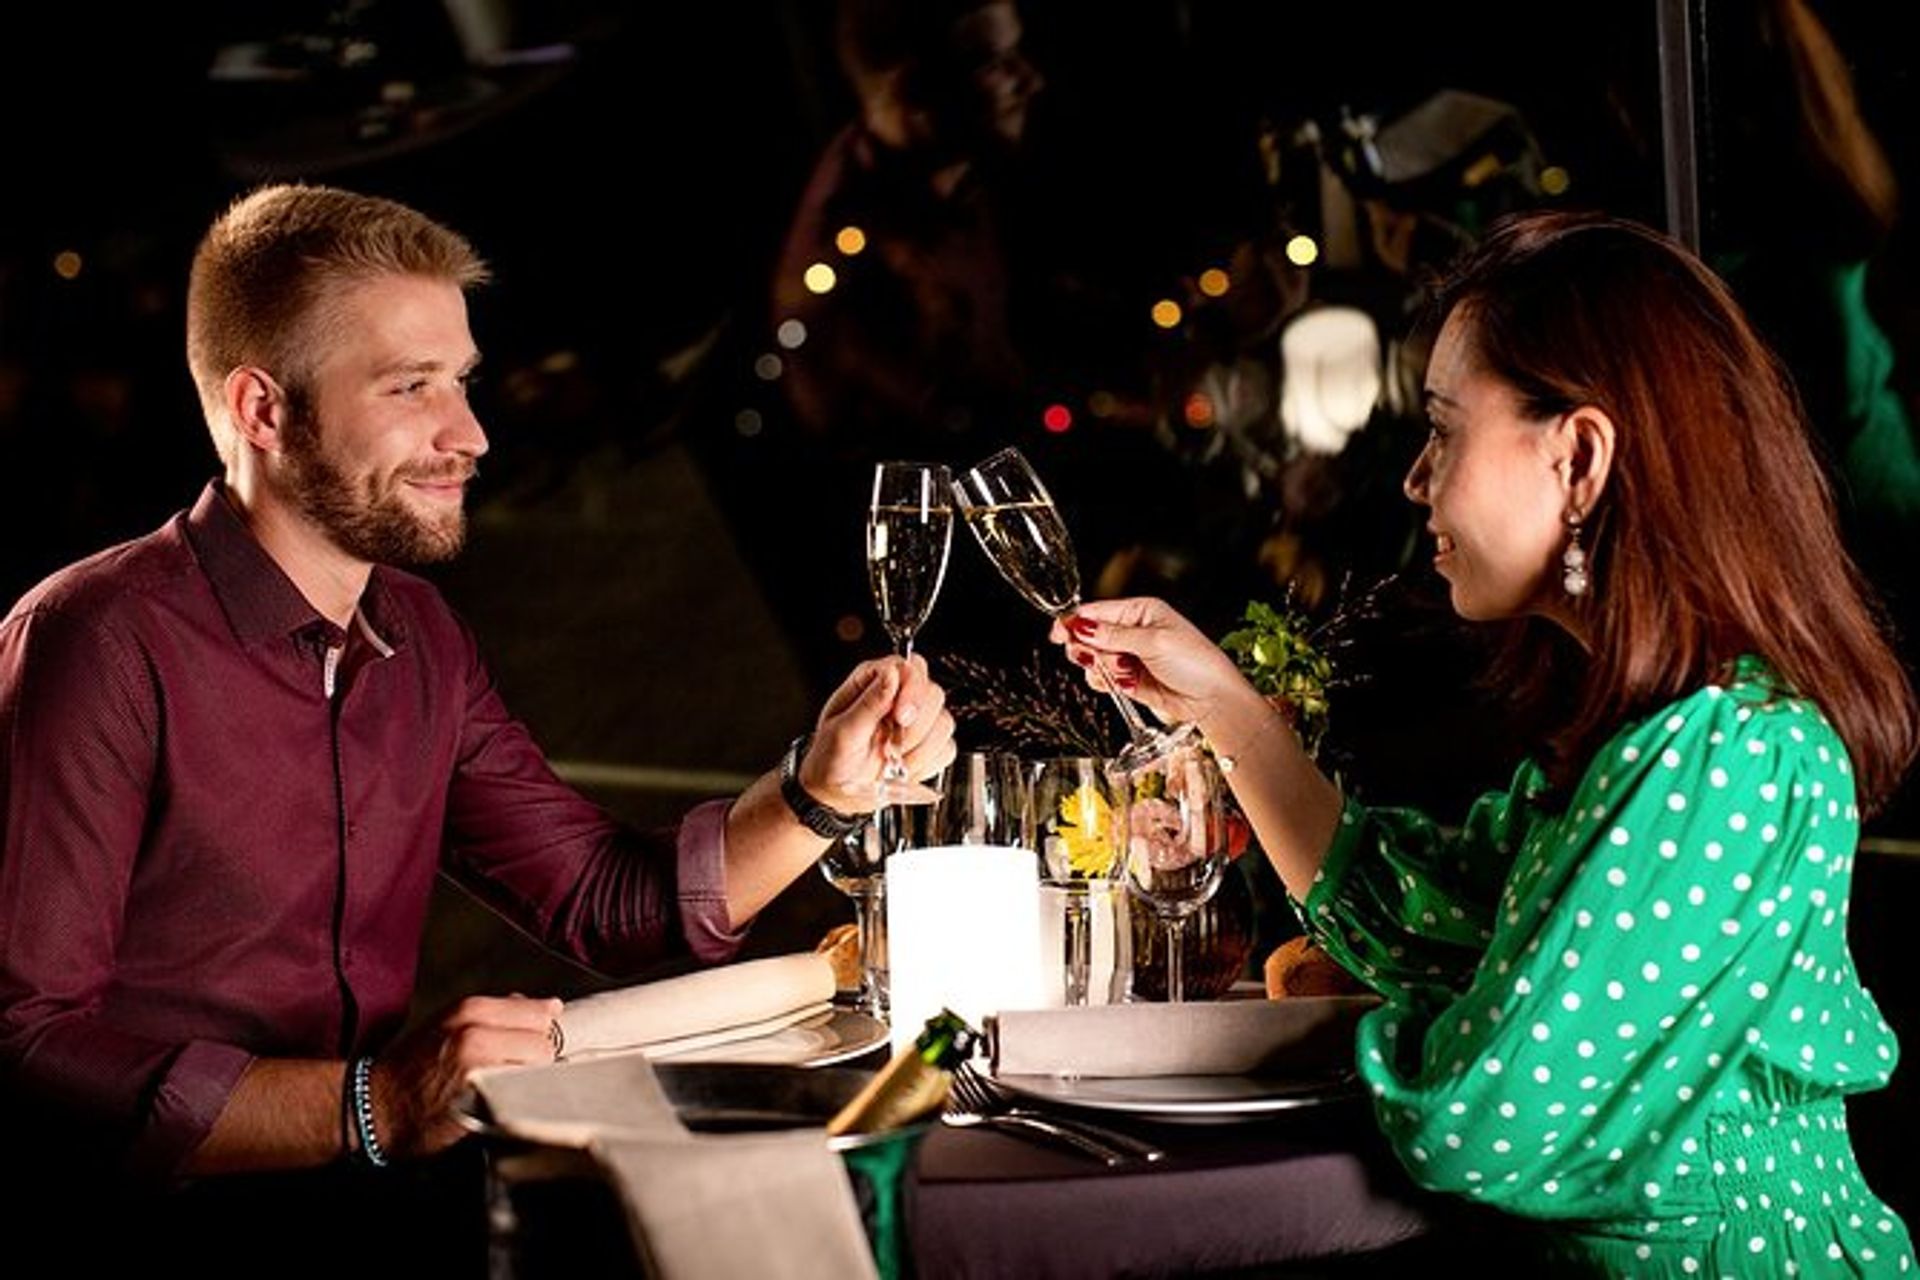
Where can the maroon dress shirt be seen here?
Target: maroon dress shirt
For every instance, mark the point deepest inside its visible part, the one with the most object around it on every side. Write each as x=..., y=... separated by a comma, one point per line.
x=223, y=816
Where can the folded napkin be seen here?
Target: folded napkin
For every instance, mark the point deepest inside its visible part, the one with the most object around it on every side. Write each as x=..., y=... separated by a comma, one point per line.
x=698, y=1010
x=699, y=1206
x=1227, y=1037
x=722, y=1206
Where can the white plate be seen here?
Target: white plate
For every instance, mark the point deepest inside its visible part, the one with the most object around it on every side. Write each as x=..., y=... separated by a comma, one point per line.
x=1183, y=1097
x=835, y=1035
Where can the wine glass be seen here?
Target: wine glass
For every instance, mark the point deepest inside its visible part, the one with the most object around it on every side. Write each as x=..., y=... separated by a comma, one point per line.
x=982, y=801
x=1013, y=518
x=855, y=864
x=1072, y=824
x=909, y=531
x=1173, y=829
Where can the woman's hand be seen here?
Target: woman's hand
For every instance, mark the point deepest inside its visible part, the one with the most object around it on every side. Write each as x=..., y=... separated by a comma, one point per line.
x=1155, y=656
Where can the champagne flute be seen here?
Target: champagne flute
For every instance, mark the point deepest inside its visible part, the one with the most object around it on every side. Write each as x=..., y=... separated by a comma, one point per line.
x=1071, y=823
x=909, y=531
x=1015, y=522
x=1173, y=824
x=855, y=864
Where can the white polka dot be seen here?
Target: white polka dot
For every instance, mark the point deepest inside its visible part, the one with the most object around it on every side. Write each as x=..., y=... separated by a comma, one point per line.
x=1619, y=835
x=1570, y=958
x=1696, y=895
x=1675, y=723
x=1670, y=758
x=1757, y=1244
x=1743, y=882
x=1676, y=802
x=1718, y=777
x=1583, y=918
x=1769, y=792
x=1756, y=747
x=1650, y=971
x=1570, y=1001
x=1758, y=991
x=1493, y=1067
x=1684, y=1093
x=1627, y=1031
x=1617, y=877
x=1661, y=910
x=1585, y=1048
x=1769, y=833
x=1669, y=850
x=1730, y=927
x=1714, y=850
x=1542, y=1075
x=1623, y=921
x=1541, y=1031
x=1550, y=1186
x=1816, y=854
x=1738, y=821
x=1629, y=754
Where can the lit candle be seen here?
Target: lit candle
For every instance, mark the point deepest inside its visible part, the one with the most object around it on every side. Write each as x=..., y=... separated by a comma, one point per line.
x=963, y=933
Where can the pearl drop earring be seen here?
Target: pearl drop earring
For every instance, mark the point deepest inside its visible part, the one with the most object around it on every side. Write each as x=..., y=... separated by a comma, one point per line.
x=1573, y=560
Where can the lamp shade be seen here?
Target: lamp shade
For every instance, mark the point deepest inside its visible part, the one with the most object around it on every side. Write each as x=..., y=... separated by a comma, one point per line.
x=1331, y=357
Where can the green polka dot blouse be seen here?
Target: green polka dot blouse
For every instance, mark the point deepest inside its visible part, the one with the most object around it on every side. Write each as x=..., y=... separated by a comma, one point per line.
x=1634, y=1019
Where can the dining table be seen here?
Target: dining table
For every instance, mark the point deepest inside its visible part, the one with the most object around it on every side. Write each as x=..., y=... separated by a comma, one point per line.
x=1308, y=1190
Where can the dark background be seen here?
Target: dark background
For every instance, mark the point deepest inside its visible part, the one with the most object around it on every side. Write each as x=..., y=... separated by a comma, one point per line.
x=664, y=569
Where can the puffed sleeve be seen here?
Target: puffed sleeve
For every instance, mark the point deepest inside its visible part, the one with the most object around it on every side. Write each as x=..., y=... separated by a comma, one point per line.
x=1672, y=939
x=1401, y=903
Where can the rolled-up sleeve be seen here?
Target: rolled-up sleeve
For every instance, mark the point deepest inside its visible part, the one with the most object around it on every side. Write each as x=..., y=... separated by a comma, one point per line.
x=703, y=884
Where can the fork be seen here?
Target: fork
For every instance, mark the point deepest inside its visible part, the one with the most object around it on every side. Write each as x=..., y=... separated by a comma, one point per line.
x=978, y=1096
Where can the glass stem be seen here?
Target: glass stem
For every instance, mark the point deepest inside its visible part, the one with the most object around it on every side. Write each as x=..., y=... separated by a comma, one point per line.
x=1079, y=946
x=895, y=769
x=1176, y=948
x=870, y=919
x=1137, y=730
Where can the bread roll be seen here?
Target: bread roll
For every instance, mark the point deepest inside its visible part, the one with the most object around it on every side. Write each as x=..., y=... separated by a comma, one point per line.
x=1298, y=967
x=841, y=947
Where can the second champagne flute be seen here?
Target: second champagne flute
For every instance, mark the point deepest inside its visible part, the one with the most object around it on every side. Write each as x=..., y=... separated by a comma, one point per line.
x=1012, y=516
x=909, y=531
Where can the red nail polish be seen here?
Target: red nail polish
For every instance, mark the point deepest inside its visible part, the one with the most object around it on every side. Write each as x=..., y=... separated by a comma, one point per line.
x=1082, y=627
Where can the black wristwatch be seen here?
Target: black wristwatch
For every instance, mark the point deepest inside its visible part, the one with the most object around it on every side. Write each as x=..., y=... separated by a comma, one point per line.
x=818, y=818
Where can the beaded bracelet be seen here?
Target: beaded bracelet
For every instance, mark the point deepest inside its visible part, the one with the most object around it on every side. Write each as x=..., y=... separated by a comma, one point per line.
x=370, y=1148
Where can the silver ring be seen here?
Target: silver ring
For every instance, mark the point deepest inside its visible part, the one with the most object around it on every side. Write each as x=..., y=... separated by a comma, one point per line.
x=557, y=1038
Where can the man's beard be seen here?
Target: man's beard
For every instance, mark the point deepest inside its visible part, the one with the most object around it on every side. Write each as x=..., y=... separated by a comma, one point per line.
x=365, y=522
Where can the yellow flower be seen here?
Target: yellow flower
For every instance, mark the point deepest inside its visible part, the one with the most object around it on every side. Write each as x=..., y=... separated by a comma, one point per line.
x=1084, y=829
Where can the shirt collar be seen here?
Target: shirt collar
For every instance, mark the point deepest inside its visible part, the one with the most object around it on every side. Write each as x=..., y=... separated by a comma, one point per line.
x=260, y=601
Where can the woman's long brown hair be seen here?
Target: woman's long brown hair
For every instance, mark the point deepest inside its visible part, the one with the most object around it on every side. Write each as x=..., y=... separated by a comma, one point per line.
x=1716, y=534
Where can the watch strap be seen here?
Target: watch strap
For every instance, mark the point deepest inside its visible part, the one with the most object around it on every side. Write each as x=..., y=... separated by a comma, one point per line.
x=822, y=820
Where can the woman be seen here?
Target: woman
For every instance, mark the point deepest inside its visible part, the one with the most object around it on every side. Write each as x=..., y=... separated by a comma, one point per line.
x=1619, y=999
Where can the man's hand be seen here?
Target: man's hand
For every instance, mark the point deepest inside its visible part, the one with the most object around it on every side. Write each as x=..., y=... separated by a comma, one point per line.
x=889, y=701
x=416, y=1084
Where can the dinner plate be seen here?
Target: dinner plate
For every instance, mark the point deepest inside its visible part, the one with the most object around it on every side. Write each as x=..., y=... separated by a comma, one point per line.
x=829, y=1037
x=1184, y=1098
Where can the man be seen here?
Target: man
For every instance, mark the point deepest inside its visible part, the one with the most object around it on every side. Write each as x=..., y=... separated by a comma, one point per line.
x=233, y=753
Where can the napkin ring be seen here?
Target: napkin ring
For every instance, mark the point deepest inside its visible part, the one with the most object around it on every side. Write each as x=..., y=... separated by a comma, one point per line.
x=557, y=1038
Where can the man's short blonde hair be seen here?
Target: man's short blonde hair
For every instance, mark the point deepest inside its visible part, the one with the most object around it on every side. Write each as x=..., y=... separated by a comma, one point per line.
x=268, y=267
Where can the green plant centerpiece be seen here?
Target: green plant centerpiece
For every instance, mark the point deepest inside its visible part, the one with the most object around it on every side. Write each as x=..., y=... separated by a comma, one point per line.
x=1275, y=650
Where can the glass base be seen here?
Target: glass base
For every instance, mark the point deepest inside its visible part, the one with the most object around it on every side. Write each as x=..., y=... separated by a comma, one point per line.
x=904, y=792
x=1155, y=745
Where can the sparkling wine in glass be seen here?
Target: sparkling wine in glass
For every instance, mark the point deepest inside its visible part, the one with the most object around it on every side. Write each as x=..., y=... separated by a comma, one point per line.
x=1014, y=520
x=909, y=531
x=856, y=866
x=1173, y=831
